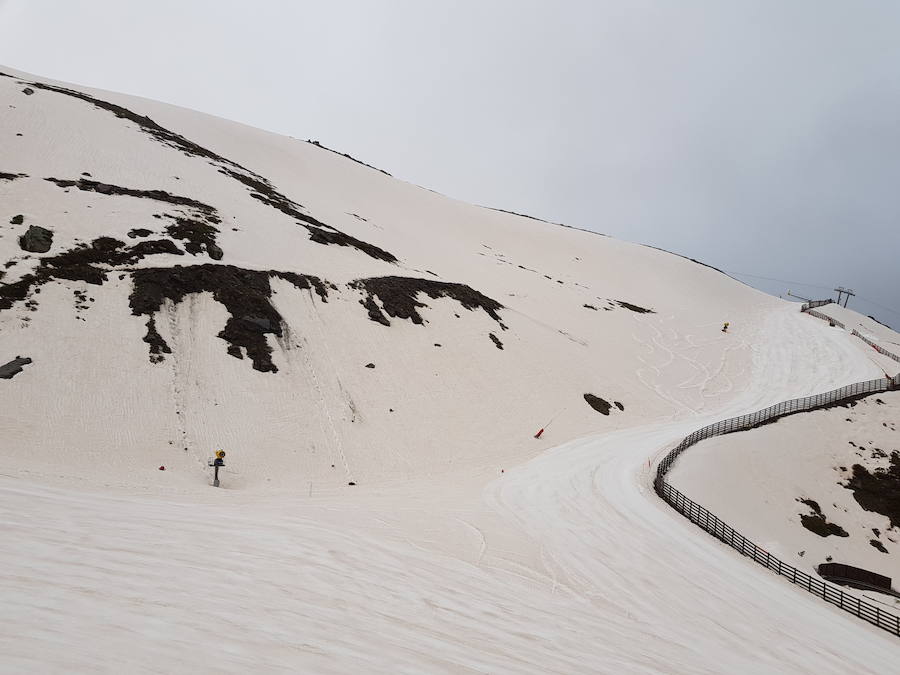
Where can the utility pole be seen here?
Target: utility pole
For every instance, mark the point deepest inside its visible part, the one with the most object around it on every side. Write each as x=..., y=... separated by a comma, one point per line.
x=848, y=292
x=844, y=291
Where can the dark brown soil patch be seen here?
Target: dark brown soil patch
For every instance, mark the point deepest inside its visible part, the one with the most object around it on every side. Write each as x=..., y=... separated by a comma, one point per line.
x=598, y=404
x=634, y=308
x=399, y=297
x=879, y=490
x=244, y=293
x=496, y=341
x=12, y=368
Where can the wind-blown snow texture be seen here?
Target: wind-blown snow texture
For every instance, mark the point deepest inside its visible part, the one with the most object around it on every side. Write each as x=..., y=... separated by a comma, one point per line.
x=464, y=544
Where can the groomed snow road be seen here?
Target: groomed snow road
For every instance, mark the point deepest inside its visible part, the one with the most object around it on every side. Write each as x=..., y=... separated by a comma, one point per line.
x=571, y=565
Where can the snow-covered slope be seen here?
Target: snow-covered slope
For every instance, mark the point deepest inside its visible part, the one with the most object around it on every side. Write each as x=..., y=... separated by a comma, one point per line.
x=465, y=545
x=794, y=486
x=770, y=483
x=440, y=394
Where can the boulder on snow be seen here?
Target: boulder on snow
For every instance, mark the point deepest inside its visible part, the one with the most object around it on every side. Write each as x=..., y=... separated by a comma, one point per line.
x=214, y=251
x=36, y=240
x=13, y=368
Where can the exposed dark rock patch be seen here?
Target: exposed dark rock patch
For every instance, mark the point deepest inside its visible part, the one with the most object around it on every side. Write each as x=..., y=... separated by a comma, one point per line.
x=214, y=251
x=879, y=490
x=16, y=291
x=877, y=544
x=634, y=308
x=28, y=91
x=82, y=263
x=693, y=260
x=496, y=341
x=399, y=297
x=139, y=232
x=36, y=239
x=332, y=236
x=260, y=187
x=370, y=365
x=881, y=322
x=619, y=405
x=198, y=235
x=375, y=313
x=198, y=231
x=306, y=282
x=17, y=220
x=12, y=368
x=158, y=346
x=813, y=504
x=12, y=176
x=587, y=306
x=244, y=293
x=344, y=154
x=598, y=404
x=817, y=523
x=523, y=215
x=156, y=195
x=262, y=190
x=156, y=247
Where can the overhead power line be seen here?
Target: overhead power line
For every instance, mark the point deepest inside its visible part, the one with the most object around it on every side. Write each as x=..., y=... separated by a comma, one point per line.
x=783, y=281
x=819, y=286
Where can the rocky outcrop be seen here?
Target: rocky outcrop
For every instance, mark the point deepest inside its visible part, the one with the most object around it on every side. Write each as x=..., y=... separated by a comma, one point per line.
x=36, y=239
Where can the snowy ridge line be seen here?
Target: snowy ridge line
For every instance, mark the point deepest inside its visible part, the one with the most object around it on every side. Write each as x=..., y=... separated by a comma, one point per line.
x=723, y=532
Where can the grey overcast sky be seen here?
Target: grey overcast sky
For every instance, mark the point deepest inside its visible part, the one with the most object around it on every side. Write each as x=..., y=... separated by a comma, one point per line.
x=760, y=136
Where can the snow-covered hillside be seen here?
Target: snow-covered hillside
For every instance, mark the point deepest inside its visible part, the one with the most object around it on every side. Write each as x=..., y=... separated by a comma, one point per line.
x=147, y=355
x=376, y=359
x=814, y=487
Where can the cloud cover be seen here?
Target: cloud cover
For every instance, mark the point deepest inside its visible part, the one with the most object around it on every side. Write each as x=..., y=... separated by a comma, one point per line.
x=760, y=137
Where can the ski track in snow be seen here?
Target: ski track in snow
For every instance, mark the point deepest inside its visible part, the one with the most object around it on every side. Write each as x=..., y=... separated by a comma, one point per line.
x=619, y=583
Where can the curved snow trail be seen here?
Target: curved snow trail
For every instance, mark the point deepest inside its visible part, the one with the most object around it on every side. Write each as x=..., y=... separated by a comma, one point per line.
x=614, y=580
x=667, y=587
